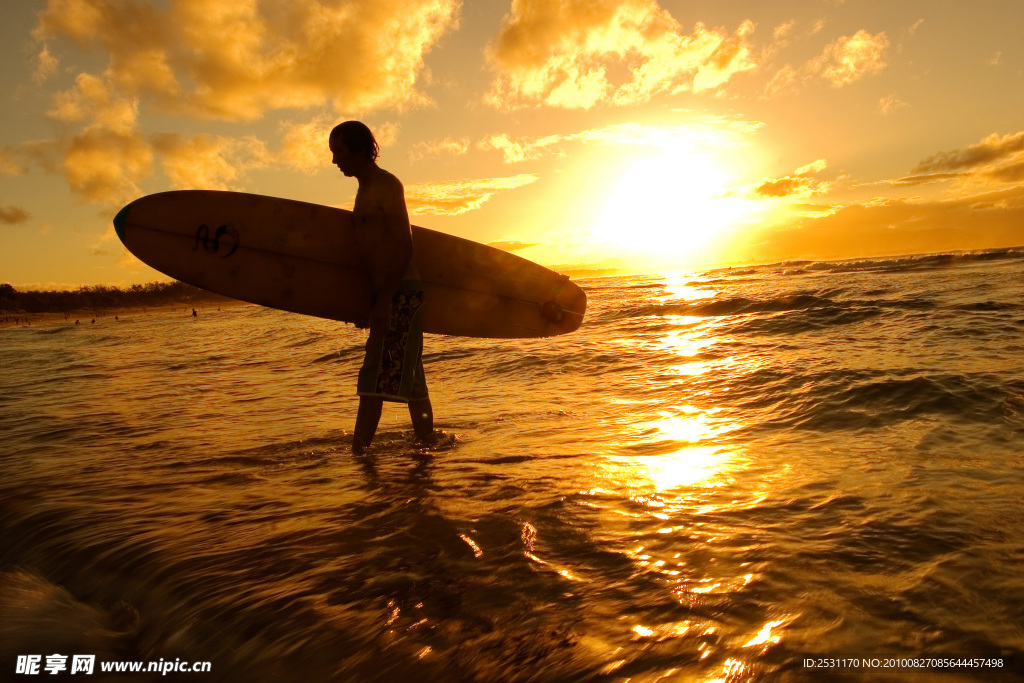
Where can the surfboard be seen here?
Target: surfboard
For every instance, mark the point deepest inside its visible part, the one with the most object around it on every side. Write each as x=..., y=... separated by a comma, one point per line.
x=302, y=257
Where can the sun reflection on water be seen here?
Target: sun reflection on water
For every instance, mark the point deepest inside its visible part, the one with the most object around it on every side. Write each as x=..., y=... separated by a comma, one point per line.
x=690, y=466
x=679, y=463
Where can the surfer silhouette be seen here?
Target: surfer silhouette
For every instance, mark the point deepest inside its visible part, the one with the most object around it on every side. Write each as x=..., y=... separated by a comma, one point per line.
x=392, y=368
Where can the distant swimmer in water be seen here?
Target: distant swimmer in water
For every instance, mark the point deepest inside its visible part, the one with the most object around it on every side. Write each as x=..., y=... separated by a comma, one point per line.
x=392, y=369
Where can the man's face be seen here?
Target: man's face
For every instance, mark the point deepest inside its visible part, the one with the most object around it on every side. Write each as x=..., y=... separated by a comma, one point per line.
x=342, y=157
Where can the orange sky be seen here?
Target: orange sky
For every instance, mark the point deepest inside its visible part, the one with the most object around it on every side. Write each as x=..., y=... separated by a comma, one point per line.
x=584, y=135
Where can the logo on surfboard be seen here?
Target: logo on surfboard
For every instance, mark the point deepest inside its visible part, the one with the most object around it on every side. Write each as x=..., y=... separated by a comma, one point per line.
x=212, y=245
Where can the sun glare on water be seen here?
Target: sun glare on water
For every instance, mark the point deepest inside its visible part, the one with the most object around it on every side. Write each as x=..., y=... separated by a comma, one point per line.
x=669, y=205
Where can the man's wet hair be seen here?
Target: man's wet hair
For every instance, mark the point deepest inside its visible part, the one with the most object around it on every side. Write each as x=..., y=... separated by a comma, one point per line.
x=358, y=138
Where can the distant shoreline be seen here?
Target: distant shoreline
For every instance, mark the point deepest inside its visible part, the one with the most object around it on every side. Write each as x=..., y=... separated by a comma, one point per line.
x=90, y=304
x=13, y=319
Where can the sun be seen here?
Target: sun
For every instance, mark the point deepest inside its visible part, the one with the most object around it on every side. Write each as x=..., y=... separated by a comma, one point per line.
x=669, y=206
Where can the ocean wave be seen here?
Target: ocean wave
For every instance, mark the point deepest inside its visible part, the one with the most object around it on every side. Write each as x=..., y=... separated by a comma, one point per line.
x=869, y=400
x=828, y=304
x=905, y=263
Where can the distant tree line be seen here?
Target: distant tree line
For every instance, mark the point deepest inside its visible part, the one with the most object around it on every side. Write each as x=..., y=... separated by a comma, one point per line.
x=99, y=297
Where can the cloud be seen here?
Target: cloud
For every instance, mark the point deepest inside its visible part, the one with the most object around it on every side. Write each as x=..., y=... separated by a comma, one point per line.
x=783, y=82
x=814, y=167
x=237, y=59
x=13, y=215
x=924, y=179
x=990, y=165
x=8, y=165
x=435, y=148
x=46, y=66
x=455, y=197
x=522, y=149
x=304, y=145
x=851, y=57
x=208, y=161
x=799, y=184
x=713, y=131
x=890, y=103
x=95, y=100
x=984, y=209
x=782, y=31
x=791, y=186
x=562, y=54
x=992, y=150
x=899, y=226
x=842, y=62
x=507, y=245
x=103, y=166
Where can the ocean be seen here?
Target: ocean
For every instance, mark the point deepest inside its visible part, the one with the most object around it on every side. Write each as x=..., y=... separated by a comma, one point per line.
x=799, y=471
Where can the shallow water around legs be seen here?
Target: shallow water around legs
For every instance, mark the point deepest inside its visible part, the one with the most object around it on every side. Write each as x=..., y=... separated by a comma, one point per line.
x=719, y=476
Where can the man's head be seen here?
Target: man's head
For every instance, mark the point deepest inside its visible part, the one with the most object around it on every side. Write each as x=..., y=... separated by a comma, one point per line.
x=352, y=145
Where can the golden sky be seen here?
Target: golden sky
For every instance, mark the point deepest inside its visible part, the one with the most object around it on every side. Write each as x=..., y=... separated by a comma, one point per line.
x=582, y=134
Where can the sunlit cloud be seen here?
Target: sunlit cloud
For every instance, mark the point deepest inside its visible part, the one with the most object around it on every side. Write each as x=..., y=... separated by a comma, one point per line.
x=984, y=209
x=46, y=66
x=783, y=30
x=890, y=103
x=562, y=54
x=993, y=163
x=304, y=145
x=816, y=166
x=509, y=245
x=707, y=131
x=784, y=82
x=435, y=148
x=208, y=161
x=852, y=57
x=237, y=59
x=987, y=166
x=520, y=149
x=992, y=150
x=94, y=99
x=454, y=197
x=887, y=226
x=223, y=59
x=104, y=166
x=842, y=62
x=923, y=179
x=800, y=184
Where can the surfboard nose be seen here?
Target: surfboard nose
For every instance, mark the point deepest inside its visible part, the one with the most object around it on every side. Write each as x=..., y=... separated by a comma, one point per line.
x=119, y=222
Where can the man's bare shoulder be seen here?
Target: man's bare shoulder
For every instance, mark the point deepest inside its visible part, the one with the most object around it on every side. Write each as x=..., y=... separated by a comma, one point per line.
x=389, y=182
x=382, y=191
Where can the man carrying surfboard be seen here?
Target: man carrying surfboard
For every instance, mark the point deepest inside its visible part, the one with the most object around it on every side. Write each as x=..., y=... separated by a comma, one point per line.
x=392, y=369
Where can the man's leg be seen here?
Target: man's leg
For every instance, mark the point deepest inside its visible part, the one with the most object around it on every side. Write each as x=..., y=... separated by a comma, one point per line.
x=367, y=419
x=422, y=415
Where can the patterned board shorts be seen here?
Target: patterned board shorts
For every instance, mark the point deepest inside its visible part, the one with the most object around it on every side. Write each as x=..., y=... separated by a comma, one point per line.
x=393, y=367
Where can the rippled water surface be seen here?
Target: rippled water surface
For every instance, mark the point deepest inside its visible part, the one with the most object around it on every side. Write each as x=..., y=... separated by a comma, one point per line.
x=716, y=475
